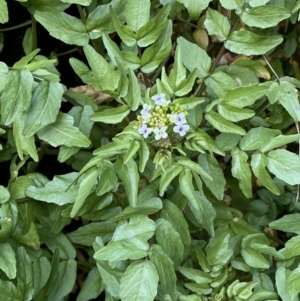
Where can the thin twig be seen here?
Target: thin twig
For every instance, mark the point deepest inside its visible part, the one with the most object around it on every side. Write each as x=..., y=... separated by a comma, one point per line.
x=16, y=26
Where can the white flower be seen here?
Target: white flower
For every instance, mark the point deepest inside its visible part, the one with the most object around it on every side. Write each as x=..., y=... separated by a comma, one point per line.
x=160, y=99
x=172, y=118
x=144, y=130
x=180, y=119
x=160, y=133
x=145, y=110
x=181, y=129
x=146, y=119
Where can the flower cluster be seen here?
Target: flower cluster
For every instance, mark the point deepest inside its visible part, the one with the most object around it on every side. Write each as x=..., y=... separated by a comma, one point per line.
x=162, y=119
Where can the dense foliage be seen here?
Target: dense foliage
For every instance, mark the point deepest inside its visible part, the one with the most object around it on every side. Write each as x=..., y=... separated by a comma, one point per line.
x=181, y=181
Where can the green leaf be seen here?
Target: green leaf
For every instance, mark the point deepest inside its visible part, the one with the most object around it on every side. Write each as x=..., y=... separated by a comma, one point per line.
x=194, y=8
x=194, y=57
x=82, y=70
x=105, y=77
x=92, y=286
x=195, y=275
x=187, y=163
x=201, y=207
x=287, y=95
x=288, y=223
x=86, y=235
x=217, y=24
x=171, y=173
x=44, y=108
x=62, y=132
x=56, y=191
x=234, y=114
x=158, y=51
x=139, y=282
x=26, y=59
x=144, y=155
x=64, y=27
x=257, y=137
x=229, y=4
x=174, y=215
x=3, y=12
x=64, y=280
x=265, y=16
x=128, y=174
x=240, y=170
x=241, y=97
x=111, y=116
x=188, y=103
x=8, y=219
x=16, y=96
x=137, y=13
x=151, y=30
x=108, y=180
x=57, y=241
x=292, y=248
x=227, y=141
x=81, y=2
x=284, y=165
x=279, y=141
x=281, y=279
x=9, y=291
x=133, y=97
x=169, y=240
x=293, y=284
x=8, y=260
x=258, y=164
x=24, y=275
x=222, y=124
x=165, y=270
x=88, y=181
x=249, y=43
x=4, y=195
x=211, y=166
x=99, y=20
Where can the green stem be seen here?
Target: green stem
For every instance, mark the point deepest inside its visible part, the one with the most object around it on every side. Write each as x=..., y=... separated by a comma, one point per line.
x=67, y=52
x=81, y=13
x=34, y=34
x=16, y=26
x=146, y=80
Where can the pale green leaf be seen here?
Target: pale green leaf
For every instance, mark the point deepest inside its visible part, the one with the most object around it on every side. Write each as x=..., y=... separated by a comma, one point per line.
x=16, y=96
x=9, y=291
x=64, y=27
x=195, y=275
x=81, y=2
x=293, y=284
x=44, y=108
x=8, y=260
x=194, y=57
x=222, y=124
x=111, y=116
x=3, y=11
x=240, y=170
x=62, y=132
x=265, y=16
x=284, y=165
x=249, y=43
x=288, y=223
x=194, y=8
x=280, y=140
x=137, y=13
x=234, y=114
x=258, y=164
x=291, y=248
x=217, y=24
x=133, y=97
x=139, y=282
x=281, y=278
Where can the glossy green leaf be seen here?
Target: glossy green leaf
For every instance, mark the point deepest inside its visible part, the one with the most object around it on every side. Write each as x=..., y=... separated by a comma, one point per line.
x=171, y=173
x=3, y=11
x=56, y=191
x=16, y=96
x=284, y=165
x=158, y=51
x=292, y=248
x=217, y=24
x=92, y=286
x=128, y=174
x=8, y=260
x=258, y=164
x=105, y=77
x=194, y=57
x=287, y=223
x=257, y=137
x=24, y=275
x=194, y=8
x=249, y=43
x=265, y=16
x=64, y=27
x=165, y=270
x=195, y=275
x=240, y=170
x=62, y=132
x=234, y=114
x=111, y=116
x=169, y=240
x=44, y=108
x=211, y=166
x=222, y=124
x=201, y=207
x=137, y=13
x=140, y=281
x=108, y=180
